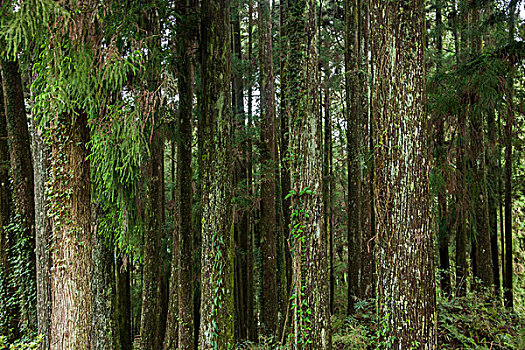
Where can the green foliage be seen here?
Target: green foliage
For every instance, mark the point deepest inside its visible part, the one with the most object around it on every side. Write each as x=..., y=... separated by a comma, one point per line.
x=23, y=344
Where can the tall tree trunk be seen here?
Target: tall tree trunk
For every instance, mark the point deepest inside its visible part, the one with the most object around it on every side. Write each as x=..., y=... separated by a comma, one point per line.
x=508, y=286
x=269, y=305
x=217, y=256
x=150, y=315
x=406, y=289
x=440, y=154
x=367, y=217
x=353, y=102
x=493, y=172
x=104, y=324
x=8, y=322
x=70, y=209
x=23, y=188
x=284, y=113
x=150, y=321
x=461, y=205
x=311, y=321
x=186, y=48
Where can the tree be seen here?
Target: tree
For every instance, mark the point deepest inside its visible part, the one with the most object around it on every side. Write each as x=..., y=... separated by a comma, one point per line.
x=406, y=289
x=269, y=305
x=216, y=329
x=353, y=101
x=23, y=220
x=310, y=299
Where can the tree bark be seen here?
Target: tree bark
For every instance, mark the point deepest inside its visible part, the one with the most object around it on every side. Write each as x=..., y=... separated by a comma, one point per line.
x=23, y=189
x=269, y=305
x=353, y=101
x=406, y=288
x=70, y=202
x=217, y=256
x=123, y=276
x=310, y=304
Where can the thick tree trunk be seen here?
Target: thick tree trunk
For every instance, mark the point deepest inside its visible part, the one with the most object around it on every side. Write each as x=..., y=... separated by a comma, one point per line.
x=23, y=188
x=70, y=203
x=269, y=305
x=353, y=102
x=406, y=288
x=310, y=304
x=217, y=255
x=493, y=172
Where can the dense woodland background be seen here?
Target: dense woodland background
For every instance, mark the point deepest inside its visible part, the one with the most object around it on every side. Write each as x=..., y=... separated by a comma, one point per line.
x=240, y=174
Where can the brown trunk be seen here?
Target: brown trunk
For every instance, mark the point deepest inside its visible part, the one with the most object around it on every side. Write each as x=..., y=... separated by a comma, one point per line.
x=217, y=327
x=70, y=202
x=8, y=325
x=123, y=275
x=353, y=101
x=406, y=288
x=269, y=305
x=23, y=188
x=310, y=299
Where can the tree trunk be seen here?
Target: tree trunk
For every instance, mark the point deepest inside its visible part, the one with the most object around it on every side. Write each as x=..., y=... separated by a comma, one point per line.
x=8, y=322
x=104, y=327
x=493, y=172
x=69, y=207
x=406, y=289
x=23, y=188
x=217, y=230
x=269, y=305
x=310, y=304
x=123, y=275
x=186, y=48
x=353, y=101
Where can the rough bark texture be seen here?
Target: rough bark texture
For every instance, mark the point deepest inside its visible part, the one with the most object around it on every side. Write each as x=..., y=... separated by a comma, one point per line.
x=269, y=305
x=461, y=205
x=104, y=328
x=70, y=203
x=150, y=322
x=186, y=48
x=406, y=289
x=284, y=113
x=23, y=190
x=310, y=304
x=150, y=315
x=216, y=328
x=42, y=233
x=352, y=58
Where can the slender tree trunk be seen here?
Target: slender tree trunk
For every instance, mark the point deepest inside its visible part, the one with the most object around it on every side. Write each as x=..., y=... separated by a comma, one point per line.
x=23, y=188
x=440, y=152
x=311, y=313
x=150, y=321
x=8, y=323
x=71, y=314
x=492, y=178
x=367, y=217
x=284, y=113
x=217, y=228
x=104, y=324
x=406, y=288
x=185, y=173
x=508, y=287
x=269, y=305
x=353, y=102
x=123, y=276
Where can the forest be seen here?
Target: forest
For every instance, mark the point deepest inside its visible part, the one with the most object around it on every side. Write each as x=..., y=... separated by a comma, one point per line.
x=262, y=174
